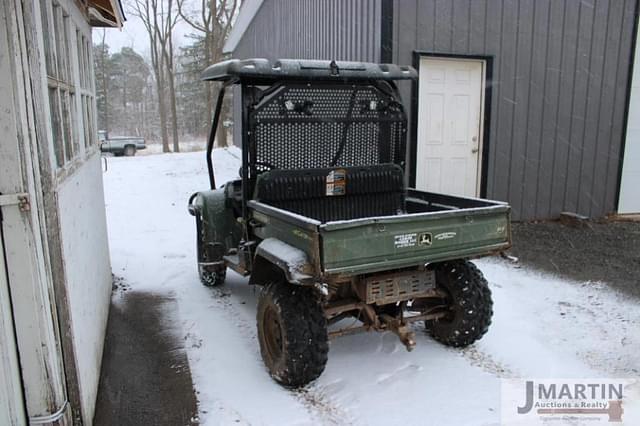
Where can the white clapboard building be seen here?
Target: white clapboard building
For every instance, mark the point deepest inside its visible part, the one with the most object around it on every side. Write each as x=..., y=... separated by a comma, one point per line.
x=55, y=277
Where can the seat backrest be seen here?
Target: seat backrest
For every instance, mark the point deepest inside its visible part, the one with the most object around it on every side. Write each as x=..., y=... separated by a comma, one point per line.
x=331, y=194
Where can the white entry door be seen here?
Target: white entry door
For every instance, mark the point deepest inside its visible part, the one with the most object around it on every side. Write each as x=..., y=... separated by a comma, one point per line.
x=450, y=108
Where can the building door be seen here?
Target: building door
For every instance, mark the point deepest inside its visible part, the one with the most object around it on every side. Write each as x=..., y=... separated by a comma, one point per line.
x=450, y=110
x=11, y=397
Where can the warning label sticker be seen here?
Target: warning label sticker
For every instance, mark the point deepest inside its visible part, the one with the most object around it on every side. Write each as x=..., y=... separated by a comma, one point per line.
x=405, y=240
x=336, y=182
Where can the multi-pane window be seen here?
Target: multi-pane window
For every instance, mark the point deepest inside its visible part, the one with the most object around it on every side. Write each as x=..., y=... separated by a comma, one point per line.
x=70, y=82
x=87, y=97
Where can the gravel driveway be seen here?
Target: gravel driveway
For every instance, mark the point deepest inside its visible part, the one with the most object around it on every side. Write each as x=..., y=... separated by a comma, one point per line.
x=594, y=251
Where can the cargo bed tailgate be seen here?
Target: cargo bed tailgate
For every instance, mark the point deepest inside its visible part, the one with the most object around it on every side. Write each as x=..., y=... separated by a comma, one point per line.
x=382, y=243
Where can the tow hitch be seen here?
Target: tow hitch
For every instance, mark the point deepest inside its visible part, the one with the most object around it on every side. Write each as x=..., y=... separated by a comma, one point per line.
x=371, y=320
x=407, y=337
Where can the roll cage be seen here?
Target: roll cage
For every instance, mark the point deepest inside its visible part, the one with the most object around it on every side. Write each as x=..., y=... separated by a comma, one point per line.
x=307, y=114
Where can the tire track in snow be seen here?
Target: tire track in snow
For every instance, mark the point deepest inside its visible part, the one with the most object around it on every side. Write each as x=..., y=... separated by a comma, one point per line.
x=317, y=403
x=473, y=354
x=485, y=361
x=323, y=410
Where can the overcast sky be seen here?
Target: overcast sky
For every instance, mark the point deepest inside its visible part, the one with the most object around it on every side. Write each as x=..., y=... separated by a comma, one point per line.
x=134, y=35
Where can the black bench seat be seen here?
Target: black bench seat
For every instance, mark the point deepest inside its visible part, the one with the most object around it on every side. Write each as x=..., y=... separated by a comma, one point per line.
x=365, y=192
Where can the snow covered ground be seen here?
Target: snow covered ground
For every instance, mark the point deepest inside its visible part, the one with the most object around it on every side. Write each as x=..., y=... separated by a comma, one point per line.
x=155, y=147
x=543, y=327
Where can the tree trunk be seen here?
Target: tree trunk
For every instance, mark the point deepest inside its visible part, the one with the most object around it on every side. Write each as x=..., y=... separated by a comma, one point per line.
x=174, y=113
x=221, y=133
x=207, y=85
x=217, y=17
x=159, y=23
x=167, y=52
x=161, y=105
x=127, y=122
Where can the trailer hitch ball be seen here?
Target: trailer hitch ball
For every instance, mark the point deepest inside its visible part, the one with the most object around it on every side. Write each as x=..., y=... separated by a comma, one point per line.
x=408, y=341
x=396, y=325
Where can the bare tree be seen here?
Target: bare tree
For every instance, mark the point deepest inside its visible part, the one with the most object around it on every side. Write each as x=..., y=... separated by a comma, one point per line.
x=214, y=22
x=159, y=21
x=167, y=52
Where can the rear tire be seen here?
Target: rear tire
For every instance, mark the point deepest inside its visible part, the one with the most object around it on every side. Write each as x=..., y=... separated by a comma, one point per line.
x=470, y=303
x=292, y=331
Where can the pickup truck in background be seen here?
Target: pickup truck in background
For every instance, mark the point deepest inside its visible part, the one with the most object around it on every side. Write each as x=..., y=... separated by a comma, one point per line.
x=120, y=145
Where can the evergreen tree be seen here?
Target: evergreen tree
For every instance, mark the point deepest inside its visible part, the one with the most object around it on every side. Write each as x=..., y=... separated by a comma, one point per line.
x=103, y=71
x=191, y=97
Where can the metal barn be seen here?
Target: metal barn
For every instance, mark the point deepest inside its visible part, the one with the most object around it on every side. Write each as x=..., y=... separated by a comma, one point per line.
x=526, y=101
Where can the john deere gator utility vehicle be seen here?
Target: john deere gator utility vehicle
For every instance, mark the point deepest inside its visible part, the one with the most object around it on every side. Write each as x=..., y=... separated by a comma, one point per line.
x=322, y=220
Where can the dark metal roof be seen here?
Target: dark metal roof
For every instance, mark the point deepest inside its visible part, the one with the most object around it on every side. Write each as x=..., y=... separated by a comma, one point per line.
x=248, y=10
x=305, y=69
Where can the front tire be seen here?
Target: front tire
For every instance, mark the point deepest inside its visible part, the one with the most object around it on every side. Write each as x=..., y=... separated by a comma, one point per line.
x=469, y=301
x=212, y=277
x=292, y=331
x=129, y=151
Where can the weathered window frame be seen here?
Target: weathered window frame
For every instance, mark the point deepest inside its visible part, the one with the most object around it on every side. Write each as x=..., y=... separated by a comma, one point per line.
x=70, y=84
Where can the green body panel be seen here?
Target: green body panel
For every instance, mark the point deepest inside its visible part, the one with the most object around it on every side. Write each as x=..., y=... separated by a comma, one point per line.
x=396, y=242
x=288, y=232
x=384, y=243
x=219, y=226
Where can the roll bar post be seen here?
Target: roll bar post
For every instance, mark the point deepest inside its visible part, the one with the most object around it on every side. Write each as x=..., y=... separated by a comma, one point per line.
x=212, y=136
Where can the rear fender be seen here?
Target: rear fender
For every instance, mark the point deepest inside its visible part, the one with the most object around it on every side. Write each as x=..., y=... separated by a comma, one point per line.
x=274, y=257
x=218, y=229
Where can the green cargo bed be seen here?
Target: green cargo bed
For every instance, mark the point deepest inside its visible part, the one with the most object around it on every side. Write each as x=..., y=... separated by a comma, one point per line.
x=436, y=227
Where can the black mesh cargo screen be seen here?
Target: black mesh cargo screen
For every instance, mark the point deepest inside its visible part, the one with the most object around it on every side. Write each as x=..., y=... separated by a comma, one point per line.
x=299, y=126
x=368, y=191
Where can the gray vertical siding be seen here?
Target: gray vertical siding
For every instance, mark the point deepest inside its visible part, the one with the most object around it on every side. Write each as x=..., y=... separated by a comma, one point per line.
x=310, y=29
x=560, y=78
x=314, y=29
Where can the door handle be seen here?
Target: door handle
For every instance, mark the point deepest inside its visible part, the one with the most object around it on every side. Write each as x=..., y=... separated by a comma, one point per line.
x=474, y=150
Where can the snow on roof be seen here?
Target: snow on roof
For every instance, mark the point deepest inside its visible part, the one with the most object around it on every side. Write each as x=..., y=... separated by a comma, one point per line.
x=248, y=11
x=306, y=69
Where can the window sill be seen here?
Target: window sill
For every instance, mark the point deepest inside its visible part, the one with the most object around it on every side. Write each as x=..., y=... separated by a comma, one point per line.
x=69, y=169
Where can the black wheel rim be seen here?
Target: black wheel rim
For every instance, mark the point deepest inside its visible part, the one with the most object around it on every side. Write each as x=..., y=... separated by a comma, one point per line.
x=272, y=334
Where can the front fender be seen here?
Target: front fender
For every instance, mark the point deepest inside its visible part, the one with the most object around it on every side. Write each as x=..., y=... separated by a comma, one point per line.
x=217, y=228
